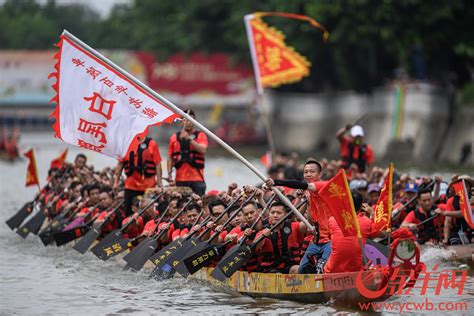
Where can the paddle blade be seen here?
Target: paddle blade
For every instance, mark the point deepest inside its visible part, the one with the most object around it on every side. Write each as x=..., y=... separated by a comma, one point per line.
x=232, y=262
x=111, y=245
x=138, y=260
x=178, y=263
x=69, y=235
x=33, y=225
x=201, y=258
x=16, y=220
x=138, y=243
x=86, y=241
x=165, y=266
x=47, y=234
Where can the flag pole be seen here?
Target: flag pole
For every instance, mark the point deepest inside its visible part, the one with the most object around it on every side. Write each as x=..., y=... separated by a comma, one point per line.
x=177, y=110
x=256, y=70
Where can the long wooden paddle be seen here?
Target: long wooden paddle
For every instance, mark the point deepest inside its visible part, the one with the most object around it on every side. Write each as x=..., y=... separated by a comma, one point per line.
x=244, y=238
x=94, y=233
x=164, y=259
x=139, y=239
x=66, y=236
x=143, y=238
x=104, y=249
x=145, y=243
x=16, y=220
x=226, y=268
x=57, y=224
x=204, y=257
x=33, y=224
x=126, y=243
x=136, y=261
x=186, y=262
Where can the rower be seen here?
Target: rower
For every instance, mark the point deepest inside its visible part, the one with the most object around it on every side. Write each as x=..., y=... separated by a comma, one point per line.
x=93, y=192
x=279, y=251
x=115, y=220
x=456, y=229
x=319, y=212
x=136, y=228
x=399, y=212
x=426, y=232
x=191, y=214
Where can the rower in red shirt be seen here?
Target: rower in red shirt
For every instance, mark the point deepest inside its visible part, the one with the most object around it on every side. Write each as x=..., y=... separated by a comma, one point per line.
x=279, y=252
x=428, y=231
x=106, y=201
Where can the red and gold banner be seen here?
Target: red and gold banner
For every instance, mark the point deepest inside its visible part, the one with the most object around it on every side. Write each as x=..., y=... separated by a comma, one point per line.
x=461, y=191
x=383, y=208
x=337, y=195
x=31, y=170
x=275, y=63
x=58, y=162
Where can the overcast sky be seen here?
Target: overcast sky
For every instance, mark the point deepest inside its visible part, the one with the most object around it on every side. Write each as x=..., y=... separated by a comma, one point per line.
x=102, y=7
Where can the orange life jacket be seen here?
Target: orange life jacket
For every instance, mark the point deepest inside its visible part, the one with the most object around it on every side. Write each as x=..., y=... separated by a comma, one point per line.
x=145, y=164
x=184, y=154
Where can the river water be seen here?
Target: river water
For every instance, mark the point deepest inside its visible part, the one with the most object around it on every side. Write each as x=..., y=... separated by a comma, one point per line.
x=35, y=280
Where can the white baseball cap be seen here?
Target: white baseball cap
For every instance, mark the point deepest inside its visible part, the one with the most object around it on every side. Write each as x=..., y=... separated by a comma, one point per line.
x=357, y=130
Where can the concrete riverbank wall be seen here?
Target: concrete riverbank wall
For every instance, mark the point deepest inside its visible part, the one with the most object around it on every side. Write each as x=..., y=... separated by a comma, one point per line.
x=419, y=124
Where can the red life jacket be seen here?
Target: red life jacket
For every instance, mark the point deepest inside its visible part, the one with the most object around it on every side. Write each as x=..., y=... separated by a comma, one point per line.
x=281, y=250
x=349, y=158
x=428, y=230
x=184, y=154
x=145, y=164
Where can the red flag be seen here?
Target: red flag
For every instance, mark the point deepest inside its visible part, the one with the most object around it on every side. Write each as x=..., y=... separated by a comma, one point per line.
x=383, y=208
x=58, y=162
x=461, y=191
x=275, y=62
x=31, y=170
x=337, y=195
x=99, y=106
x=266, y=159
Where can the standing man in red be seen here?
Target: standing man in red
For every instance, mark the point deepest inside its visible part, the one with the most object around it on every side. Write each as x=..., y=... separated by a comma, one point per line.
x=143, y=170
x=186, y=154
x=353, y=148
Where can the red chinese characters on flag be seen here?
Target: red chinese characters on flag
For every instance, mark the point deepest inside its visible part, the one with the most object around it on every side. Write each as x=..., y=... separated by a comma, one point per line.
x=464, y=203
x=383, y=208
x=97, y=106
x=337, y=196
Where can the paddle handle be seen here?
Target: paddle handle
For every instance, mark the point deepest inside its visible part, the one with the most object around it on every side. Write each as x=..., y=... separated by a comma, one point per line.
x=231, y=218
x=157, y=237
x=290, y=213
x=155, y=230
x=232, y=203
x=427, y=220
x=108, y=217
x=204, y=222
x=140, y=212
x=245, y=237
